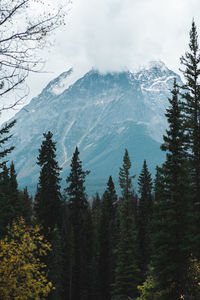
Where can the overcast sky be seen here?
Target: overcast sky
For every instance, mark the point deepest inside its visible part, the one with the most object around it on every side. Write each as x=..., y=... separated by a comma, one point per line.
x=111, y=35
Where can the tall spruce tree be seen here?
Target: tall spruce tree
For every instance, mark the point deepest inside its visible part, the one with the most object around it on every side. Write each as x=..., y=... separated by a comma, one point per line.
x=171, y=236
x=26, y=203
x=126, y=270
x=80, y=221
x=191, y=106
x=145, y=210
x=48, y=197
x=96, y=214
x=13, y=192
x=7, y=211
x=107, y=240
x=10, y=207
x=4, y=137
x=125, y=179
x=56, y=266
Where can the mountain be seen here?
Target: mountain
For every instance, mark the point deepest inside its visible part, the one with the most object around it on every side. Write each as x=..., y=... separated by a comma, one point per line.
x=100, y=113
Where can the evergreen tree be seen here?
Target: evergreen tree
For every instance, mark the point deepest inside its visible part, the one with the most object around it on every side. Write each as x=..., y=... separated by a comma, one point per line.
x=191, y=106
x=48, y=203
x=134, y=206
x=3, y=139
x=126, y=270
x=80, y=221
x=95, y=281
x=96, y=202
x=158, y=185
x=9, y=197
x=26, y=205
x=48, y=197
x=7, y=211
x=124, y=177
x=107, y=242
x=145, y=210
x=13, y=192
x=55, y=266
x=172, y=243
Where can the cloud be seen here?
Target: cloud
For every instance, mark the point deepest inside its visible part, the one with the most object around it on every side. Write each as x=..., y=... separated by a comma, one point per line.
x=113, y=34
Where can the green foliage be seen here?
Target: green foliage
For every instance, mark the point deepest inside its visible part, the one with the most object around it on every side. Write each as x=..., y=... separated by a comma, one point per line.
x=145, y=210
x=80, y=226
x=48, y=197
x=191, y=108
x=76, y=189
x=55, y=266
x=172, y=243
x=125, y=179
x=25, y=205
x=10, y=206
x=107, y=240
x=4, y=137
x=13, y=192
x=126, y=271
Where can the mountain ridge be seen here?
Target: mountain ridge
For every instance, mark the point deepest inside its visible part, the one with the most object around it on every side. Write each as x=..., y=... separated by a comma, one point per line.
x=102, y=114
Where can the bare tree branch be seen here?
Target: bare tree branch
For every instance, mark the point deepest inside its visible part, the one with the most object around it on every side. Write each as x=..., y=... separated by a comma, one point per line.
x=22, y=33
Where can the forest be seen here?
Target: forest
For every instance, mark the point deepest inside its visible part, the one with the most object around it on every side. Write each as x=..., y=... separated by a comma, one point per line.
x=142, y=244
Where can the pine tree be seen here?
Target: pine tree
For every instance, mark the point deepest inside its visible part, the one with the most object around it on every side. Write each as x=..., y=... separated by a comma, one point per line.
x=124, y=177
x=26, y=205
x=172, y=243
x=191, y=106
x=80, y=221
x=4, y=131
x=9, y=197
x=48, y=197
x=126, y=270
x=7, y=211
x=96, y=202
x=158, y=184
x=13, y=192
x=95, y=281
x=107, y=241
x=145, y=210
x=55, y=266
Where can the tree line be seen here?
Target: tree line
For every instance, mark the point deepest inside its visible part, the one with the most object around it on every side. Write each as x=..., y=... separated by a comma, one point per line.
x=143, y=245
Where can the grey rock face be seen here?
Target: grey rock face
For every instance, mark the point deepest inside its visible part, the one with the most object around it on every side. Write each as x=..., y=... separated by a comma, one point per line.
x=100, y=113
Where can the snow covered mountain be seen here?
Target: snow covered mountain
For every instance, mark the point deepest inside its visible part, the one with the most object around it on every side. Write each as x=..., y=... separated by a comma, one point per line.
x=100, y=113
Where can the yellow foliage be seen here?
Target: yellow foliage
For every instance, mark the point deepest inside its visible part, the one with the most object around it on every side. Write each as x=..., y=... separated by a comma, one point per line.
x=22, y=274
x=147, y=290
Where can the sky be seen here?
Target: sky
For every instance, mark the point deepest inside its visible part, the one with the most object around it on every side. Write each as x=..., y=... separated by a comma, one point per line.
x=113, y=35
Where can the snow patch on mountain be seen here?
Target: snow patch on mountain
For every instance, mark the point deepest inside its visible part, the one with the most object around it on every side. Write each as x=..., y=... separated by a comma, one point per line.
x=65, y=80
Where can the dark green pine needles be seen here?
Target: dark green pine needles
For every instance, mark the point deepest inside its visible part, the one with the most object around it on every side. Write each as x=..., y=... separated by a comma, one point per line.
x=172, y=218
x=144, y=218
x=48, y=197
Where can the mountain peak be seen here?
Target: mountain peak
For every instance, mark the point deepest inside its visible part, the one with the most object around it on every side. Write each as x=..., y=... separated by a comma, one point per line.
x=153, y=64
x=157, y=64
x=101, y=114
